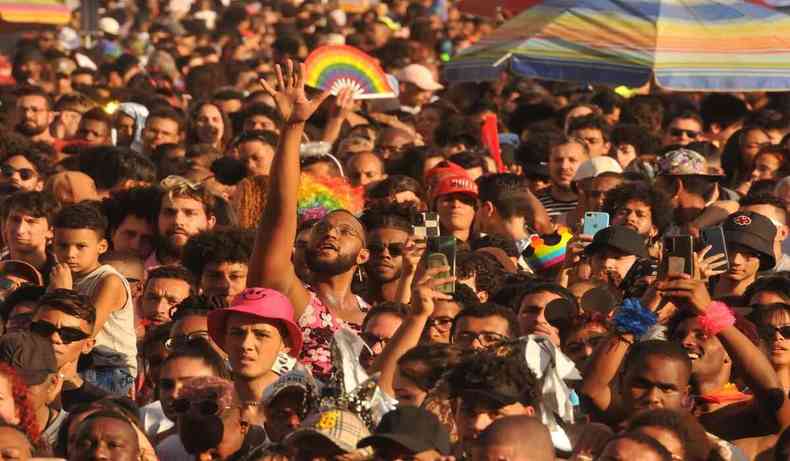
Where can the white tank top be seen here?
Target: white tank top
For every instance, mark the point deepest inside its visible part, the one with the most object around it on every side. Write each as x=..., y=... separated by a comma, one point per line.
x=118, y=333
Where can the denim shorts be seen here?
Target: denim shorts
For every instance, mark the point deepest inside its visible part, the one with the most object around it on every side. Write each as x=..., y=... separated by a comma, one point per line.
x=115, y=380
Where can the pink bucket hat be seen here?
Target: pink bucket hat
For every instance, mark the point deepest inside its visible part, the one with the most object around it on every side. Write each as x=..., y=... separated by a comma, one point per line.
x=265, y=303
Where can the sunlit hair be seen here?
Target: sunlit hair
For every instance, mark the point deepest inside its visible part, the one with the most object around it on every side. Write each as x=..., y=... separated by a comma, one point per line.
x=22, y=403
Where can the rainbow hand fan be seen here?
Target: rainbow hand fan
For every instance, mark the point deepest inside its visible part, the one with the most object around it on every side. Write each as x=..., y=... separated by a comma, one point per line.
x=334, y=67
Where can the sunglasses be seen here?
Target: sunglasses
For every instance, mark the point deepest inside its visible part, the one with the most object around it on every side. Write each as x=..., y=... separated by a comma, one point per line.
x=440, y=323
x=24, y=173
x=180, y=340
x=67, y=334
x=395, y=249
x=768, y=331
x=204, y=407
x=678, y=132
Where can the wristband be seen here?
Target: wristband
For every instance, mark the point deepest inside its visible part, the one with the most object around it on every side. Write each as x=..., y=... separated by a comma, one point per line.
x=716, y=318
x=633, y=318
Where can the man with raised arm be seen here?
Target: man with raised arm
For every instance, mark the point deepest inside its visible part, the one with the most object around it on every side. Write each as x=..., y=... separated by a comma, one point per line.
x=336, y=246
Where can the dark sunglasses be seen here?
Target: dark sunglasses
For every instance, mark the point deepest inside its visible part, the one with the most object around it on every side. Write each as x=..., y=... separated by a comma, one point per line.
x=768, y=331
x=395, y=249
x=67, y=334
x=677, y=132
x=204, y=407
x=24, y=173
x=180, y=340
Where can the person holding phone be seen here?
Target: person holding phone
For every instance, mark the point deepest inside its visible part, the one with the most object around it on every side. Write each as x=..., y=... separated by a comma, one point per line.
x=613, y=251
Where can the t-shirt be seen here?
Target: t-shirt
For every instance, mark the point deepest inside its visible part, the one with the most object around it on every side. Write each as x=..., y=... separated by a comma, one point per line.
x=553, y=206
x=154, y=420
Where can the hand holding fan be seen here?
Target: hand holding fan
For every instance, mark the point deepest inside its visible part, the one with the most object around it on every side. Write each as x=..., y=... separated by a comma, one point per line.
x=334, y=67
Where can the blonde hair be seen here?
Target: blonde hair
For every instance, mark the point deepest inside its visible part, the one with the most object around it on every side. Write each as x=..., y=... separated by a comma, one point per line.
x=249, y=199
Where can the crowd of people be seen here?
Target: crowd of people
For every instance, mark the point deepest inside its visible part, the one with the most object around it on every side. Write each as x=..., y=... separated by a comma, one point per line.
x=206, y=259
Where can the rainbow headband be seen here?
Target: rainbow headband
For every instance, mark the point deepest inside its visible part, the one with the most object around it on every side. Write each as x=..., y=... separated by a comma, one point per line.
x=318, y=196
x=545, y=252
x=334, y=67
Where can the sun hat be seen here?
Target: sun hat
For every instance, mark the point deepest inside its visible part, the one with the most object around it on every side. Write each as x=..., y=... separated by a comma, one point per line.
x=264, y=303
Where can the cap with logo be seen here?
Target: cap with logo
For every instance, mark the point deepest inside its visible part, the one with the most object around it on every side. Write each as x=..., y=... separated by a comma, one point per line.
x=753, y=231
x=449, y=178
x=341, y=427
x=30, y=355
x=621, y=238
x=414, y=428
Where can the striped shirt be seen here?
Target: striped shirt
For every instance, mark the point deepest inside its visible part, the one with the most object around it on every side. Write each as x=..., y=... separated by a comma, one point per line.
x=553, y=206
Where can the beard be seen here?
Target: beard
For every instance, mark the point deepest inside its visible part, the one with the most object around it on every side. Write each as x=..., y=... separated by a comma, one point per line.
x=342, y=263
x=384, y=278
x=30, y=130
x=166, y=248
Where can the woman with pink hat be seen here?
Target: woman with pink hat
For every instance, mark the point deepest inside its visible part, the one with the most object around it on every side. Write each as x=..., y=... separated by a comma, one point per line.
x=259, y=335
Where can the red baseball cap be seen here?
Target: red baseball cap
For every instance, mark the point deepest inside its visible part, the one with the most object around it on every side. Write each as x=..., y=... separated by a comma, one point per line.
x=265, y=303
x=449, y=178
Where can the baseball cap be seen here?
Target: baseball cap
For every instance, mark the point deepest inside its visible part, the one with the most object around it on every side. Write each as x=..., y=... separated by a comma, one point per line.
x=414, y=428
x=622, y=238
x=296, y=379
x=753, y=231
x=265, y=303
x=418, y=75
x=30, y=355
x=596, y=166
x=683, y=162
x=341, y=427
x=22, y=270
x=109, y=26
x=449, y=178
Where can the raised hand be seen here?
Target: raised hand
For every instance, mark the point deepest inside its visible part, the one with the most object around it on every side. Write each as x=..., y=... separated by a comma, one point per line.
x=426, y=290
x=343, y=104
x=290, y=96
x=710, y=266
x=691, y=293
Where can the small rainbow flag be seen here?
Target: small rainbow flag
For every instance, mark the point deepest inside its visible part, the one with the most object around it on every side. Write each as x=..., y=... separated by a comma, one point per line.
x=334, y=67
x=547, y=251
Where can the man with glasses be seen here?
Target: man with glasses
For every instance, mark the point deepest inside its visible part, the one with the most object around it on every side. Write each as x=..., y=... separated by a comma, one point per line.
x=683, y=129
x=389, y=228
x=379, y=326
x=482, y=326
x=67, y=319
x=24, y=167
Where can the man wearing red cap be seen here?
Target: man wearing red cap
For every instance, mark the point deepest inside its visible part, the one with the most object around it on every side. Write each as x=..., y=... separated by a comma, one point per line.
x=453, y=195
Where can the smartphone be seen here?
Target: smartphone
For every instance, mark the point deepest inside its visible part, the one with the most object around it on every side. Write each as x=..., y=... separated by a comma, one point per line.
x=678, y=256
x=444, y=245
x=714, y=236
x=634, y=284
x=426, y=225
x=594, y=221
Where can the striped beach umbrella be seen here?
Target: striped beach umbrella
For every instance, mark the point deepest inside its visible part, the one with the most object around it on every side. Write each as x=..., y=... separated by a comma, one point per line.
x=53, y=12
x=685, y=45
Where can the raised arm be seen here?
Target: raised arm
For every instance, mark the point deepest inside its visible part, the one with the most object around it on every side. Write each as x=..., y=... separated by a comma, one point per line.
x=270, y=264
x=410, y=331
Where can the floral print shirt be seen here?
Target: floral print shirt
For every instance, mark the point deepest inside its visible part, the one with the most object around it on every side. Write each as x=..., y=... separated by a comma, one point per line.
x=318, y=326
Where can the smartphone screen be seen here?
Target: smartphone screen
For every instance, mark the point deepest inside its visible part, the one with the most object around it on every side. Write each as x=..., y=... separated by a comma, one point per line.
x=714, y=236
x=676, y=248
x=594, y=221
x=446, y=246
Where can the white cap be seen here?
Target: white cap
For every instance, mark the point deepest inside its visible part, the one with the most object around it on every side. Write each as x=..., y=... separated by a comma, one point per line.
x=420, y=76
x=109, y=26
x=597, y=166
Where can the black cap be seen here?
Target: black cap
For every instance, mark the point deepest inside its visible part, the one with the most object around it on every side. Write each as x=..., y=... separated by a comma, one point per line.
x=622, y=238
x=30, y=355
x=414, y=428
x=539, y=169
x=754, y=231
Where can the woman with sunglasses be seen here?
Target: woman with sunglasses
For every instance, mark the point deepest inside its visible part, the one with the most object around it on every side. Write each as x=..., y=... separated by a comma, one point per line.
x=773, y=326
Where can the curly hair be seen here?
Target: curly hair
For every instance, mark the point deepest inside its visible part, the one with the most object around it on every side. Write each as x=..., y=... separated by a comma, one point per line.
x=216, y=246
x=172, y=272
x=83, y=215
x=425, y=364
x=487, y=272
x=22, y=403
x=250, y=200
x=660, y=208
x=13, y=144
x=197, y=305
x=502, y=370
x=389, y=216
